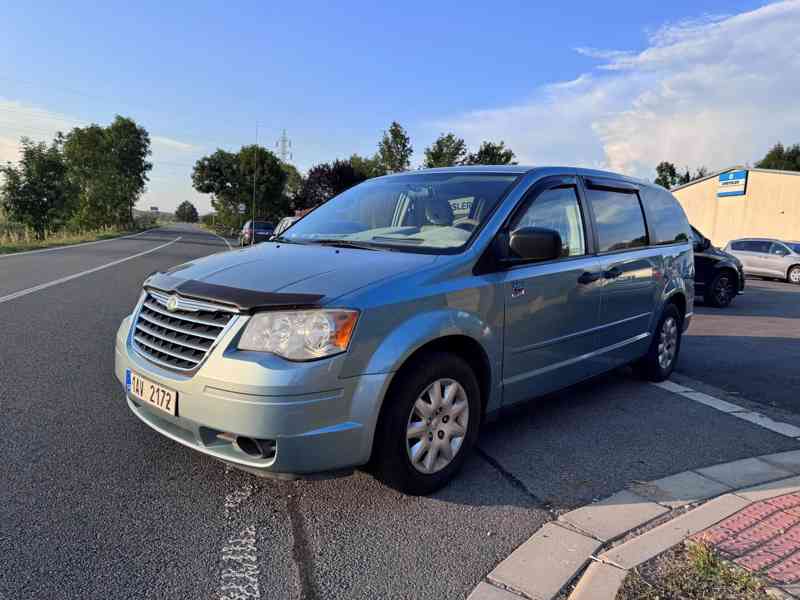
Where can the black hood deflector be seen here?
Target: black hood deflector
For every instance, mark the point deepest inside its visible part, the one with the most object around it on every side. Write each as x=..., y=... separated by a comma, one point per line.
x=243, y=299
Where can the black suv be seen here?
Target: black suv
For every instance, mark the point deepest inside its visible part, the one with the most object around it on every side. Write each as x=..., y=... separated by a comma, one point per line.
x=719, y=276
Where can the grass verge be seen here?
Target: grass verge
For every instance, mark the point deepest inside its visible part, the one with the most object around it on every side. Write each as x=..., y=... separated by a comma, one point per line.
x=11, y=244
x=691, y=572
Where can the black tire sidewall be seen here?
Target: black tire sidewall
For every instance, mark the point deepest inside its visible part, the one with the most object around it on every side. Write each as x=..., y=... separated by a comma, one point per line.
x=393, y=465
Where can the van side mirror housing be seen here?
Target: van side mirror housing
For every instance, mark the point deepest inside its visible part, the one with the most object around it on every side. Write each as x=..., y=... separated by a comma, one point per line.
x=535, y=244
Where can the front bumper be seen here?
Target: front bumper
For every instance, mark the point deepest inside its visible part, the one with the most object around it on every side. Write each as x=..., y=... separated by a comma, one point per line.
x=318, y=421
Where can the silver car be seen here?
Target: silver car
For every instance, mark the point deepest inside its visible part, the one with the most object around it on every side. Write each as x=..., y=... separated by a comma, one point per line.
x=768, y=257
x=388, y=324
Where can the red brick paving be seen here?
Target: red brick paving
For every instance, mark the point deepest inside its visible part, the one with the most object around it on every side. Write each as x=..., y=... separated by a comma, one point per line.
x=764, y=538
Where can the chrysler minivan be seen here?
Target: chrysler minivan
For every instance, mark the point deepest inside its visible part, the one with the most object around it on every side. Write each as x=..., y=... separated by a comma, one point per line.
x=384, y=327
x=767, y=257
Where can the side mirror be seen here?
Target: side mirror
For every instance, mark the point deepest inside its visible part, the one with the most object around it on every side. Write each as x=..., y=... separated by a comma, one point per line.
x=535, y=243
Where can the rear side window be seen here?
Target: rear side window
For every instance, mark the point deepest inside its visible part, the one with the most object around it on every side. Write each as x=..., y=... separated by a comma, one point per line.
x=619, y=219
x=738, y=246
x=668, y=224
x=757, y=246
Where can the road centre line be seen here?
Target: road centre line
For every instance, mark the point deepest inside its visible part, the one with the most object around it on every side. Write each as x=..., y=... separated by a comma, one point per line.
x=67, y=247
x=43, y=286
x=785, y=429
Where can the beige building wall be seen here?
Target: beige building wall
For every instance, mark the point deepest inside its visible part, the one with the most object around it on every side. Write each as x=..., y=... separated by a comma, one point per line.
x=770, y=207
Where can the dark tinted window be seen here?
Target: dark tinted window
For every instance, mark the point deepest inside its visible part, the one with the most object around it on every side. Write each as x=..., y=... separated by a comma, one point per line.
x=738, y=246
x=757, y=246
x=666, y=218
x=619, y=218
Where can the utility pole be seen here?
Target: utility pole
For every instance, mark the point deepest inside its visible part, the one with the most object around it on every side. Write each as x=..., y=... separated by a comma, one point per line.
x=255, y=175
x=284, y=147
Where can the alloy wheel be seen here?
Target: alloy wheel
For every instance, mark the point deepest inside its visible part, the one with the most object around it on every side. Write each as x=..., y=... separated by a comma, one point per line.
x=667, y=342
x=723, y=291
x=437, y=426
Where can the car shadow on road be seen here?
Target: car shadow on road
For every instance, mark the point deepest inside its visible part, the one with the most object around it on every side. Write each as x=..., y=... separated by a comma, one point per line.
x=591, y=440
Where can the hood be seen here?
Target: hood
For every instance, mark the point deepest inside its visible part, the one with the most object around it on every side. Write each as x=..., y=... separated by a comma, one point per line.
x=720, y=254
x=286, y=270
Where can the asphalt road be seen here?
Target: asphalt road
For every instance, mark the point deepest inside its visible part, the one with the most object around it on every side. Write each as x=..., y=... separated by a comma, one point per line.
x=752, y=347
x=93, y=504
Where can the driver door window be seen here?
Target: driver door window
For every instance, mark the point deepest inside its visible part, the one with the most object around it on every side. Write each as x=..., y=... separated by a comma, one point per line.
x=557, y=209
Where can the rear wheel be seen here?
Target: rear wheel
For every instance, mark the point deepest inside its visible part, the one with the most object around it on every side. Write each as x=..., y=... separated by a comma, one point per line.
x=793, y=276
x=431, y=420
x=659, y=362
x=722, y=290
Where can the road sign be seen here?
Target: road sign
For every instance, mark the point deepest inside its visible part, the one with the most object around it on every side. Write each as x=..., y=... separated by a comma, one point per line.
x=732, y=184
x=242, y=208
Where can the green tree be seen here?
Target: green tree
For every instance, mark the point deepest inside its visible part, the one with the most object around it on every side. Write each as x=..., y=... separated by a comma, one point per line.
x=666, y=174
x=37, y=191
x=781, y=158
x=108, y=166
x=326, y=180
x=369, y=167
x=688, y=176
x=394, y=150
x=446, y=151
x=294, y=183
x=229, y=178
x=186, y=212
x=490, y=153
x=129, y=147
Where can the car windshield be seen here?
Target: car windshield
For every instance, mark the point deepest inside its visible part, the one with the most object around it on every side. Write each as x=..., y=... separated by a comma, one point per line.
x=432, y=212
x=795, y=246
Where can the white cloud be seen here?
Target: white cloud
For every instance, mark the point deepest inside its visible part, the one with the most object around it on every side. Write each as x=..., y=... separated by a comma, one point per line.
x=714, y=91
x=169, y=143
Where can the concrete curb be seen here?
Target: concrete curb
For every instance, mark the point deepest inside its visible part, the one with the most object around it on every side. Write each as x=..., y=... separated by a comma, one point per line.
x=542, y=567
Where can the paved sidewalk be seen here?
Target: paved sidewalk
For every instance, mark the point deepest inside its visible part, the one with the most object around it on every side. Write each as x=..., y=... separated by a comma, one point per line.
x=748, y=509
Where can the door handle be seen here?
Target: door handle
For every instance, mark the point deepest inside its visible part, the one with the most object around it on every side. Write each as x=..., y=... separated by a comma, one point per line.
x=612, y=273
x=588, y=277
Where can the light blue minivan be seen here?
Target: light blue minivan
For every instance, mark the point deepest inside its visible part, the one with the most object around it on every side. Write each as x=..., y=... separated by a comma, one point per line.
x=388, y=324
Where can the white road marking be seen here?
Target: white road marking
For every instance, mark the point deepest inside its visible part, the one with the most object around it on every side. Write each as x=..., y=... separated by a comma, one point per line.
x=240, y=571
x=122, y=237
x=44, y=286
x=222, y=238
x=734, y=410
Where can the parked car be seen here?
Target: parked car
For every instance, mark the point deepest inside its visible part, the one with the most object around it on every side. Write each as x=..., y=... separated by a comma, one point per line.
x=719, y=276
x=284, y=224
x=254, y=232
x=767, y=257
x=382, y=330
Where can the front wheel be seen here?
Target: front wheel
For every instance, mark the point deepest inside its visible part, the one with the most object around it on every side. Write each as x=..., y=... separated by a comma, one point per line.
x=659, y=362
x=431, y=420
x=722, y=291
x=793, y=276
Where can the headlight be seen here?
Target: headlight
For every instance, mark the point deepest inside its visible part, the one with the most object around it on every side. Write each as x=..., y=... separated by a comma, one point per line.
x=301, y=334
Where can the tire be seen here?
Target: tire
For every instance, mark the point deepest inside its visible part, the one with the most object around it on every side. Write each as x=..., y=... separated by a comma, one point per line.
x=793, y=275
x=722, y=290
x=651, y=366
x=401, y=415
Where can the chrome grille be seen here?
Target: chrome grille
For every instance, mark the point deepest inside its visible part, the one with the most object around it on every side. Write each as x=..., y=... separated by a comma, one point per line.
x=181, y=336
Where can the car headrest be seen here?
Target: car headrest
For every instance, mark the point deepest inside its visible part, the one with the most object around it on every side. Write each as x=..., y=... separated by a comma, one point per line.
x=438, y=212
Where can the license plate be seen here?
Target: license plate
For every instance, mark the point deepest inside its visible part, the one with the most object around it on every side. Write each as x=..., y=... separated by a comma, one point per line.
x=151, y=392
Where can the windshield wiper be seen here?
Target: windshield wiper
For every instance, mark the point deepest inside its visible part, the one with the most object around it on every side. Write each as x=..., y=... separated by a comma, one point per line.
x=343, y=244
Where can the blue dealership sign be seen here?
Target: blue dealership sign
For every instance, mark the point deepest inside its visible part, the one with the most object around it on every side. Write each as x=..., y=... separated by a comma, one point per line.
x=733, y=183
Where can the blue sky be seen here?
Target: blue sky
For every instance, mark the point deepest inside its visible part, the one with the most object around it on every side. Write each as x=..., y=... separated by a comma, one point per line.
x=560, y=82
